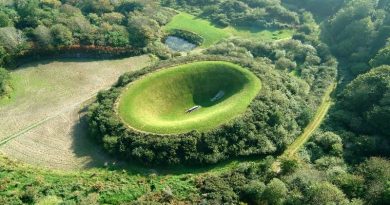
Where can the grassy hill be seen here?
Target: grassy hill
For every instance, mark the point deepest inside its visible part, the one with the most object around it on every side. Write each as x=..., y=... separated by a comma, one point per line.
x=158, y=102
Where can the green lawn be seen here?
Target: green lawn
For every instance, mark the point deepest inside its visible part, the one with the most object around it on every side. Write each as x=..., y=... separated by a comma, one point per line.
x=204, y=28
x=213, y=34
x=157, y=103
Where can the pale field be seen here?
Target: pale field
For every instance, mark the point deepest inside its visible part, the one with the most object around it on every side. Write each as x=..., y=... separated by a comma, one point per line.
x=42, y=123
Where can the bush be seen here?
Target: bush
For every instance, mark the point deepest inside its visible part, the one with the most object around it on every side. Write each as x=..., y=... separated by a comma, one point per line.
x=187, y=35
x=4, y=80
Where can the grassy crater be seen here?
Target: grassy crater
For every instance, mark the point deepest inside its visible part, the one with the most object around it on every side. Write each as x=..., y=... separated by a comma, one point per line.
x=158, y=102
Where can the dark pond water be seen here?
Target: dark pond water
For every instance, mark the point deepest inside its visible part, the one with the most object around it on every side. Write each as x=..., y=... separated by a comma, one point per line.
x=178, y=44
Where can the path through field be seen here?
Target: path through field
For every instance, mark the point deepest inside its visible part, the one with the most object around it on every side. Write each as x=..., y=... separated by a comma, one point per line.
x=43, y=124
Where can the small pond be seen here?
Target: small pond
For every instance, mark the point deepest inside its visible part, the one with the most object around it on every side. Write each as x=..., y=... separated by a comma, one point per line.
x=178, y=44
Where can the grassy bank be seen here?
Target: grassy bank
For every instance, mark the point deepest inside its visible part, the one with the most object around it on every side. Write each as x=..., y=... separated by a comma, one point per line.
x=158, y=102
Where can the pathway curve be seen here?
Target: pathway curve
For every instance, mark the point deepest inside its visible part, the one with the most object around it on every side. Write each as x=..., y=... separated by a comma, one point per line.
x=320, y=115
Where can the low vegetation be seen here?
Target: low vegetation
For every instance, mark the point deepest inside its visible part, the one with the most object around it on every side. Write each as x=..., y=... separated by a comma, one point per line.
x=158, y=102
x=4, y=81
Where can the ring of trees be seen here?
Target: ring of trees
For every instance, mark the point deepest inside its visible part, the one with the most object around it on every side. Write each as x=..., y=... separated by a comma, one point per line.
x=195, y=96
x=267, y=126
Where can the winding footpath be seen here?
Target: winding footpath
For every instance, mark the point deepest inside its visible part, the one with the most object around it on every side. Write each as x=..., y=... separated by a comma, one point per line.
x=320, y=115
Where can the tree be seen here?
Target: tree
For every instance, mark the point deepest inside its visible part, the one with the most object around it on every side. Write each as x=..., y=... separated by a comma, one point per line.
x=97, y=6
x=325, y=193
x=4, y=20
x=28, y=12
x=118, y=37
x=252, y=192
x=376, y=173
x=218, y=191
x=275, y=192
x=367, y=99
x=43, y=36
x=4, y=78
x=285, y=64
x=61, y=34
x=129, y=6
x=12, y=39
x=144, y=30
x=289, y=165
x=381, y=58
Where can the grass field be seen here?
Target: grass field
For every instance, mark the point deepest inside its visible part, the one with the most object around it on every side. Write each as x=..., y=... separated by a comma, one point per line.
x=157, y=102
x=213, y=34
x=42, y=121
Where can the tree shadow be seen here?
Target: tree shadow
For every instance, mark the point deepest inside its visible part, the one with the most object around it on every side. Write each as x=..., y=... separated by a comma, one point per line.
x=85, y=146
x=28, y=63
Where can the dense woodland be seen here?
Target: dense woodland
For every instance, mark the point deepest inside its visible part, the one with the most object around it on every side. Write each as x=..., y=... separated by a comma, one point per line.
x=346, y=161
x=28, y=27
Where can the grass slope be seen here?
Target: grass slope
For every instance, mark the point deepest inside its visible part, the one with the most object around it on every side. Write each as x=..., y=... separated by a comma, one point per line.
x=213, y=34
x=157, y=102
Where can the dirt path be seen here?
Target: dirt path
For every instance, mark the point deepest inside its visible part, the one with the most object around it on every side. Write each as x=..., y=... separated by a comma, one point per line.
x=43, y=124
x=309, y=130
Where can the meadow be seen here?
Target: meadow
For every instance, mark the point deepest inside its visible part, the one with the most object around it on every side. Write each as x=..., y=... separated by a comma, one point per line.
x=42, y=121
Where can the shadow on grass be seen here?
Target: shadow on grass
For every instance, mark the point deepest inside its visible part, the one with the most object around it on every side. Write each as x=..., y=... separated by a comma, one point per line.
x=35, y=62
x=85, y=146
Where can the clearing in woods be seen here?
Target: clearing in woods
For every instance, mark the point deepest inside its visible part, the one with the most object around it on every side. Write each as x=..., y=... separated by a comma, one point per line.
x=212, y=34
x=43, y=117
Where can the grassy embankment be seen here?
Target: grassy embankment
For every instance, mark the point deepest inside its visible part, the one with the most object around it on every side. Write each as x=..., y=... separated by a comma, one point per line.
x=158, y=102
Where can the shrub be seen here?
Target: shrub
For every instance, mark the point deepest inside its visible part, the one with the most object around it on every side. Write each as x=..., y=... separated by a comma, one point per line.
x=4, y=80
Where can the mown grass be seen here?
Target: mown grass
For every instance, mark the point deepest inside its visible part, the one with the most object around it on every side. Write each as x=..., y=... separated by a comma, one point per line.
x=212, y=34
x=157, y=102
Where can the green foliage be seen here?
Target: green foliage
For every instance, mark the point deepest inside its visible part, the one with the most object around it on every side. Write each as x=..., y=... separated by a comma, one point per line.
x=366, y=99
x=62, y=36
x=218, y=191
x=325, y=193
x=357, y=31
x=242, y=13
x=187, y=35
x=381, y=58
x=4, y=81
x=376, y=173
x=275, y=192
x=317, y=7
x=289, y=165
x=41, y=27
